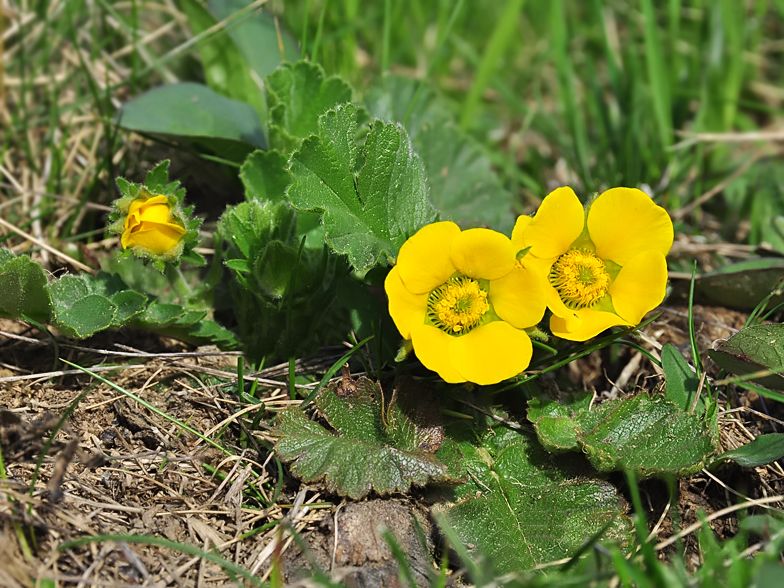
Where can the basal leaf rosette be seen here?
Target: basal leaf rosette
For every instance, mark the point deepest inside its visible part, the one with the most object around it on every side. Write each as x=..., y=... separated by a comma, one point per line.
x=603, y=264
x=151, y=221
x=464, y=302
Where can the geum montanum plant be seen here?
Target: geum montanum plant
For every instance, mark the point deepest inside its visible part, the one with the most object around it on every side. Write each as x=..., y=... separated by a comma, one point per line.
x=603, y=265
x=464, y=302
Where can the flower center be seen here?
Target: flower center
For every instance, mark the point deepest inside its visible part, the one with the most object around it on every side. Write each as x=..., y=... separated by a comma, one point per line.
x=580, y=278
x=457, y=305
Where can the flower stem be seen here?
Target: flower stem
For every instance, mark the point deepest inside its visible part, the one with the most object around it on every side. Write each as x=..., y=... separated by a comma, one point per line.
x=178, y=283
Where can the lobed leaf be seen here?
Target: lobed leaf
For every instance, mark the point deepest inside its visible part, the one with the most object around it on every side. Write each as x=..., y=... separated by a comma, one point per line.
x=23, y=290
x=523, y=506
x=463, y=185
x=297, y=95
x=366, y=215
x=649, y=435
x=374, y=450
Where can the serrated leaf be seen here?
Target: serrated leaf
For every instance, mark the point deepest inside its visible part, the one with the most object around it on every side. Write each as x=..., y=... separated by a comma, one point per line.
x=195, y=113
x=681, y=381
x=368, y=454
x=85, y=317
x=648, y=435
x=463, y=186
x=391, y=102
x=265, y=176
x=128, y=305
x=225, y=67
x=161, y=314
x=80, y=307
x=370, y=214
x=556, y=423
x=754, y=349
x=256, y=36
x=523, y=507
x=763, y=450
x=297, y=95
x=23, y=288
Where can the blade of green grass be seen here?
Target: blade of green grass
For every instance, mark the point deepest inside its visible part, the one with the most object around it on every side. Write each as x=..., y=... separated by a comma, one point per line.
x=508, y=23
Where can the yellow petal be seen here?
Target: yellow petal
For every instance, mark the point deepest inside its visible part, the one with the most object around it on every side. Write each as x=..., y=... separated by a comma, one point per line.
x=558, y=222
x=424, y=260
x=483, y=254
x=491, y=353
x=623, y=222
x=519, y=229
x=590, y=324
x=640, y=286
x=404, y=307
x=431, y=346
x=158, y=238
x=140, y=202
x=519, y=297
x=155, y=213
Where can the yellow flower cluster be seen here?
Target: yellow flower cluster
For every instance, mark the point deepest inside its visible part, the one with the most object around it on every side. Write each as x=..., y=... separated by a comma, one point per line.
x=464, y=299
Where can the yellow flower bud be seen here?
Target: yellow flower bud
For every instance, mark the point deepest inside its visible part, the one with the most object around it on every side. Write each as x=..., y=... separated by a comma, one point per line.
x=149, y=225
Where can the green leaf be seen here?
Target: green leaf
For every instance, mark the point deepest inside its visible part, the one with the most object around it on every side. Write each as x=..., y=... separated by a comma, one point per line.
x=256, y=36
x=195, y=113
x=160, y=315
x=556, y=423
x=523, y=506
x=763, y=450
x=738, y=285
x=80, y=311
x=23, y=288
x=129, y=304
x=682, y=383
x=265, y=176
x=369, y=452
x=297, y=95
x=369, y=214
x=754, y=349
x=649, y=435
x=225, y=67
x=463, y=186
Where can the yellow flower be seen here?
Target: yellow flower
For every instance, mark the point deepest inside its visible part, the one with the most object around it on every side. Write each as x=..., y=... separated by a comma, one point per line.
x=463, y=301
x=602, y=268
x=149, y=225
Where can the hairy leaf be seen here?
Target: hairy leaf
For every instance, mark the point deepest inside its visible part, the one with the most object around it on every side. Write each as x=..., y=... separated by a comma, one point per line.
x=523, y=507
x=649, y=435
x=297, y=95
x=369, y=214
x=373, y=450
x=23, y=290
